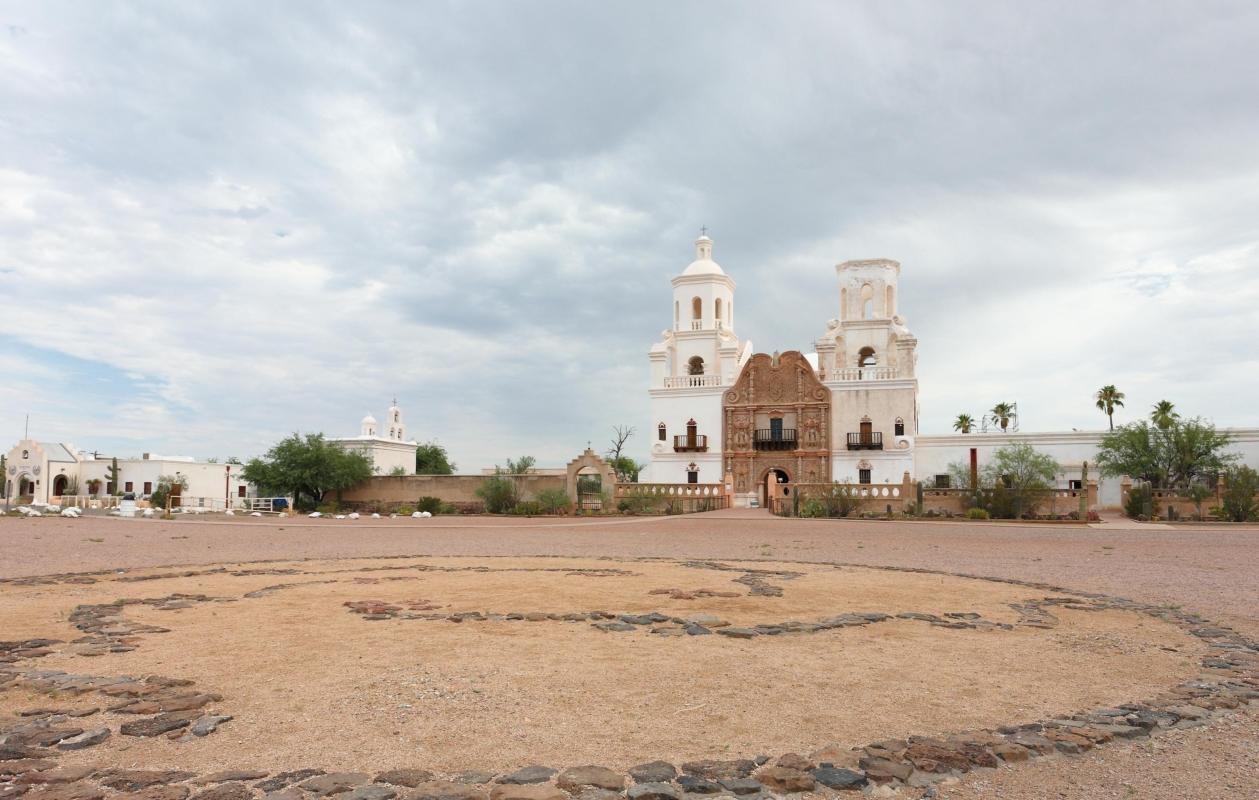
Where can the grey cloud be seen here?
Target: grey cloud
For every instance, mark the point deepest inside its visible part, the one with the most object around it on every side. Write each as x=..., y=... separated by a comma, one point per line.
x=291, y=212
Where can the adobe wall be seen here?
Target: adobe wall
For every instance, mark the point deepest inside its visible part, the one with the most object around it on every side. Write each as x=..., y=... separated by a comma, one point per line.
x=450, y=488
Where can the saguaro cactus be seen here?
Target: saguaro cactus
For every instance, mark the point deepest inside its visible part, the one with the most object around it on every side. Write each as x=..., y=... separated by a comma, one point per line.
x=113, y=476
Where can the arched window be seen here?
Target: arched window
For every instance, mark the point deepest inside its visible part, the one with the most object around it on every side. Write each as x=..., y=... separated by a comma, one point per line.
x=697, y=308
x=695, y=366
x=900, y=427
x=662, y=433
x=677, y=313
x=866, y=357
x=890, y=308
x=867, y=302
x=391, y=433
x=717, y=309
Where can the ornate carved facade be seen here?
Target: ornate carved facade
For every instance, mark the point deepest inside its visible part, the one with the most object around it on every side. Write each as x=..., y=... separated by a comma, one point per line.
x=776, y=417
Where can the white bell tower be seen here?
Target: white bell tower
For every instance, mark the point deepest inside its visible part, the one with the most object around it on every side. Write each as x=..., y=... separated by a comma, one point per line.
x=397, y=428
x=697, y=358
x=368, y=426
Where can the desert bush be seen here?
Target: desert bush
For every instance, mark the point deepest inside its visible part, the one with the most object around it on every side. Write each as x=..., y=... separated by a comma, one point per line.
x=977, y=513
x=165, y=483
x=1141, y=502
x=1240, y=485
x=433, y=505
x=555, y=501
x=404, y=511
x=526, y=508
x=499, y=494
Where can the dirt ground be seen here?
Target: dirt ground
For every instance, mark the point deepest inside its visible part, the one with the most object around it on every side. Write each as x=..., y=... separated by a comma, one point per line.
x=310, y=682
x=1211, y=570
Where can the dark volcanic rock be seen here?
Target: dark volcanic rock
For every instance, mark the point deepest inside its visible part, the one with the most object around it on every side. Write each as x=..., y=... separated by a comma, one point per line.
x=574, y=778
x=717, y=770
x=405, y=777
x=836, y=778
x=133, y=780
x=531, y=774
x=653, y=791
x=653, y=772
x=156, y=726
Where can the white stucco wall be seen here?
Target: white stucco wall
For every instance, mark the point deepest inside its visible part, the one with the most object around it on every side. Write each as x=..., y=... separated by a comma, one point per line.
x=1070, y=449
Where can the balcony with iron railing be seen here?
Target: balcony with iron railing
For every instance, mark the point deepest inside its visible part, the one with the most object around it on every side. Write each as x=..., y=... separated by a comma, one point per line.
x=690, y=443
x=771, y=439
x=865, y=440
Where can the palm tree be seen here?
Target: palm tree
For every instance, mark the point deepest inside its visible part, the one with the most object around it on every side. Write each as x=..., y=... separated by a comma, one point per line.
x=1164, y=414
x=1108, y=397
x=1003, y=412
x=963, y=423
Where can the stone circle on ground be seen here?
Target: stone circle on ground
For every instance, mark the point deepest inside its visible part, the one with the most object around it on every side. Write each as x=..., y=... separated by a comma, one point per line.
x=286, y=680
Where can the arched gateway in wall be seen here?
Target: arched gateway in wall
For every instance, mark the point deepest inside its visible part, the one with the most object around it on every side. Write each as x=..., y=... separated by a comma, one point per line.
x=776, y=421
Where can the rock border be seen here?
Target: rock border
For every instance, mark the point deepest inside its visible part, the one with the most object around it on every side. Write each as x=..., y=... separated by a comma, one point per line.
x=1230, y=679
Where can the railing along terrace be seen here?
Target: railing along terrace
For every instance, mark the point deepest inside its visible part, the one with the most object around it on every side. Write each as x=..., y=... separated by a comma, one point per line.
x=770, y=439
x=872, y=440
x=691, y=381
x=682, y=498
x=688, y=443
x=862, y=374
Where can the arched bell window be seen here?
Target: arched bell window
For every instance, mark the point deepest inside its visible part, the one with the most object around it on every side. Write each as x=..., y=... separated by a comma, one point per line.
x=697, y=308
x=695, y=366
x=866, y=357
x=900, y=427
x=662, y=433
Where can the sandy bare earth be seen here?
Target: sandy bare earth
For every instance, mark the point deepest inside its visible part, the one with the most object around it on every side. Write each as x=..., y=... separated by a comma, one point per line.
x=312, y=683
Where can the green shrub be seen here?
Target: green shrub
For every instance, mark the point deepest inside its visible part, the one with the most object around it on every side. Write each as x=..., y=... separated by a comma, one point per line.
x=433, y=505
x=328, y=507
x=404, y=510
x=499, y=494
x=555, y=501
x=812, y=508
x=977, y=513
x=526, y=508
x=1240, y=485
x=1141, y=502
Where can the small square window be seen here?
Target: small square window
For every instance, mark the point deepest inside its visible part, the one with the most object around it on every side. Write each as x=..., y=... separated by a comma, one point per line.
x=943, y=482
x=128, y=487
x=240, y=491
x=1077, y=484
x=148, y=487
x=863, y=476
x=692, y=476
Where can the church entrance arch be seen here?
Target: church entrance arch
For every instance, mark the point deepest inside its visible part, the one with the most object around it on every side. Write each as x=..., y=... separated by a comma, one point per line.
x=775, y=483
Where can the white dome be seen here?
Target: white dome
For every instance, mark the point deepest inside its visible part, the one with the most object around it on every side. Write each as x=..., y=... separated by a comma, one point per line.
x=369, y=420
x=703, y=266
x=703, y=263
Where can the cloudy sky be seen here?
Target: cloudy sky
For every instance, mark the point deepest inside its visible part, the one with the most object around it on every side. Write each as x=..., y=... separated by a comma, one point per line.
x=222, y=222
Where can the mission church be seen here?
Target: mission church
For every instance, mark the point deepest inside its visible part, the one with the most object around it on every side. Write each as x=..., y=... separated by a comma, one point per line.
x=846, y=412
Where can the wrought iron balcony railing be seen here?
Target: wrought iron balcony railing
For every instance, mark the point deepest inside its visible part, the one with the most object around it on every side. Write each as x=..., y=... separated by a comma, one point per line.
x=866, y=440
x=690, y=444
x=770, y=439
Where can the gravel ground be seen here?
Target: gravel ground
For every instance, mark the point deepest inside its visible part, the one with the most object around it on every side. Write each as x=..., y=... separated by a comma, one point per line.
x=1211, y=570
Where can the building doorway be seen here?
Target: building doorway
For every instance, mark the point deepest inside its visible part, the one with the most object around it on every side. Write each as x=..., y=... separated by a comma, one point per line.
x=776, y=485
x=59, y=484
